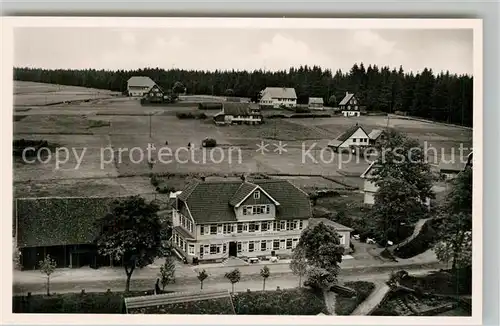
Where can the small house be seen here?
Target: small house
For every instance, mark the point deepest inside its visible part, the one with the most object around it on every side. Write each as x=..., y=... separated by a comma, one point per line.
x=376, y=136
x=316, y=103
x=276, y=97
x=349, y=106
x=355, y=136
x=237, y=113
x=450, y=170
x=155, y=95
x=139, y=85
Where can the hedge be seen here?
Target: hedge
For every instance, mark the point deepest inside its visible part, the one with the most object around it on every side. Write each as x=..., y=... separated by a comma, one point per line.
x=300, y=301
x=190, y=115
x=91, y=303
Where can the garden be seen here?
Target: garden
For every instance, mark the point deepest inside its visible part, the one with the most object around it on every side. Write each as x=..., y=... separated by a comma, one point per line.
x=345, y=304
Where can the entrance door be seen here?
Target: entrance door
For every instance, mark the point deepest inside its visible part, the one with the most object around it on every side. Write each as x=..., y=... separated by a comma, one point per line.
x=233, y=249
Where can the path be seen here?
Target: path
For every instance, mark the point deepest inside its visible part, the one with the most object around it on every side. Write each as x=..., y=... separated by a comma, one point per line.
x=374, y=299
x=416, y=231
x=330, y=301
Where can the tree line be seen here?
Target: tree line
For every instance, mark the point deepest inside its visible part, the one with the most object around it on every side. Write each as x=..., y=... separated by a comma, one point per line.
x=442, y=97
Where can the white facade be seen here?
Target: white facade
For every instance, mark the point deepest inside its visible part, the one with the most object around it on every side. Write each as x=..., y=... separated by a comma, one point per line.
x=358, y=138
x=277, y=97
x=278, y=102
x=242, y=118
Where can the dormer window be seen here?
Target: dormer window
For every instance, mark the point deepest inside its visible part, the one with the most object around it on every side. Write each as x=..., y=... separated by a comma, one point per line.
x=256, y=195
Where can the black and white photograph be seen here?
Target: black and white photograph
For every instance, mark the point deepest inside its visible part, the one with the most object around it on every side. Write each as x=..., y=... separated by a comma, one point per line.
x=262, y=167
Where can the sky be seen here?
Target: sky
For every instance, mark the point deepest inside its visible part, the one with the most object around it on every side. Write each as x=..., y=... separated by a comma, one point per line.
x=243, y=49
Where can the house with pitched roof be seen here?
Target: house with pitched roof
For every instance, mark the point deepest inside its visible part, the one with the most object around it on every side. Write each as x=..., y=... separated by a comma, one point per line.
x=316, y=103
x=213, y=220
x=155, y=95
x=355, y=136
x=237, y=113
x=376, y=136
x=370, y=188
x=64, y=228
x=276, y=97
x=450, y=169
x=349, y=106
x=139, y=85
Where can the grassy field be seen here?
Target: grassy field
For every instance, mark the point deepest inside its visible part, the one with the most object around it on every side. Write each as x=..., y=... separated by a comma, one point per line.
x=122, y=123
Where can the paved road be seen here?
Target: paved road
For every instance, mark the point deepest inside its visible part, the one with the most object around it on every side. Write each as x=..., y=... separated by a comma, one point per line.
x=252, y=282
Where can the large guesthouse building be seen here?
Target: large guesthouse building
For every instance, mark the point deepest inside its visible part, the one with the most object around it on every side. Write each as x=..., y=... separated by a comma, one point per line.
x=213, y=220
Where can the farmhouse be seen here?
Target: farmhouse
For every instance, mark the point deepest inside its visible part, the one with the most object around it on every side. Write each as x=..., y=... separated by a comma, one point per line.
x=349, y=105
x=276, y=97
x=353, y=137
x=316, y=103
x=376, y=136
x=237, y=112
x=213, y=220
x=370, y=188
x=155, y=94
x=63, y=228
x=139, y=85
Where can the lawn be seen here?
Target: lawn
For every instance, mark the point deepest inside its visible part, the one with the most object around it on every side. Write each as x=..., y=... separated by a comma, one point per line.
x=300, y=301
x=345, y=305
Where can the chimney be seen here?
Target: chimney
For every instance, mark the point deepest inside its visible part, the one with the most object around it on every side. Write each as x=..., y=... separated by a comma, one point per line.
x=202, y=178
x=346, y=93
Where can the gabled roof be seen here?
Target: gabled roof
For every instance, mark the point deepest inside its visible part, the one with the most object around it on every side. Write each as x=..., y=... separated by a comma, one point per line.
x=279, y=92
x=345, y=136
x=59, y=221
x=335, y=225
x=212, y=201
x=346, y=98
x=375, y=133
x=141, y=81
x=315, y=100
x=236, y=108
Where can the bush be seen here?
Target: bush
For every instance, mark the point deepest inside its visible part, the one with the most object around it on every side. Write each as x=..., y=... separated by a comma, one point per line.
x=302, y=109
x=345, y=305
x=201, y=116
x=165, y=189
x=209, y=142
x=154, y=180
x=184, y=115
x=283, y=302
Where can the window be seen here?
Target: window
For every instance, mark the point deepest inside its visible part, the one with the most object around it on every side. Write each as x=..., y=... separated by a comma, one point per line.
x=256, y=195
x=240, y=227
x=213, y=229
x=275, y=226
x=250, y=246
x=206, y=249
x=227, y=228
x=282, y=244
x=294, y=243
x=213, y=249
x=276, y=244
x=301, y=225
x=263, y=227
x=201, y=251
x=207, y=229
x=251, y=227
x=191, y=249
x=348, y=107
x=219, y=248
x=219, y=229
x=245, y=227
x=268, y=209
x=288, y=243
x=263, y=245
x=257, y=226
x=224, y=248
x=245, y=210
x=342, y=239
x=283, y=225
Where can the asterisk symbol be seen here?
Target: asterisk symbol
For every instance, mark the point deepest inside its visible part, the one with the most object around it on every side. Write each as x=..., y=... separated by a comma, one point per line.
x=280, y=148
x=262, y=147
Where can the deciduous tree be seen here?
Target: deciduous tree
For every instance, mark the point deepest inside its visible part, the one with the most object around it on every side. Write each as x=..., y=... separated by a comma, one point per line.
x=131, y=232
x=234, y=277
x=167, y=272
x=202, y=275
x=47, y=267
x=264, y=273
x=298, y=264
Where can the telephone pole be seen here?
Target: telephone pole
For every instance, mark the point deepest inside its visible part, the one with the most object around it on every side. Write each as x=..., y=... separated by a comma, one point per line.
x=149, y=125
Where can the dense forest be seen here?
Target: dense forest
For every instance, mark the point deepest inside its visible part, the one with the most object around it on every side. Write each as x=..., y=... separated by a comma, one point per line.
x=442, y=97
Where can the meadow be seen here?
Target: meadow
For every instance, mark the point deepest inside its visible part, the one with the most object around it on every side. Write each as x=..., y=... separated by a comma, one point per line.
x=108, y=125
